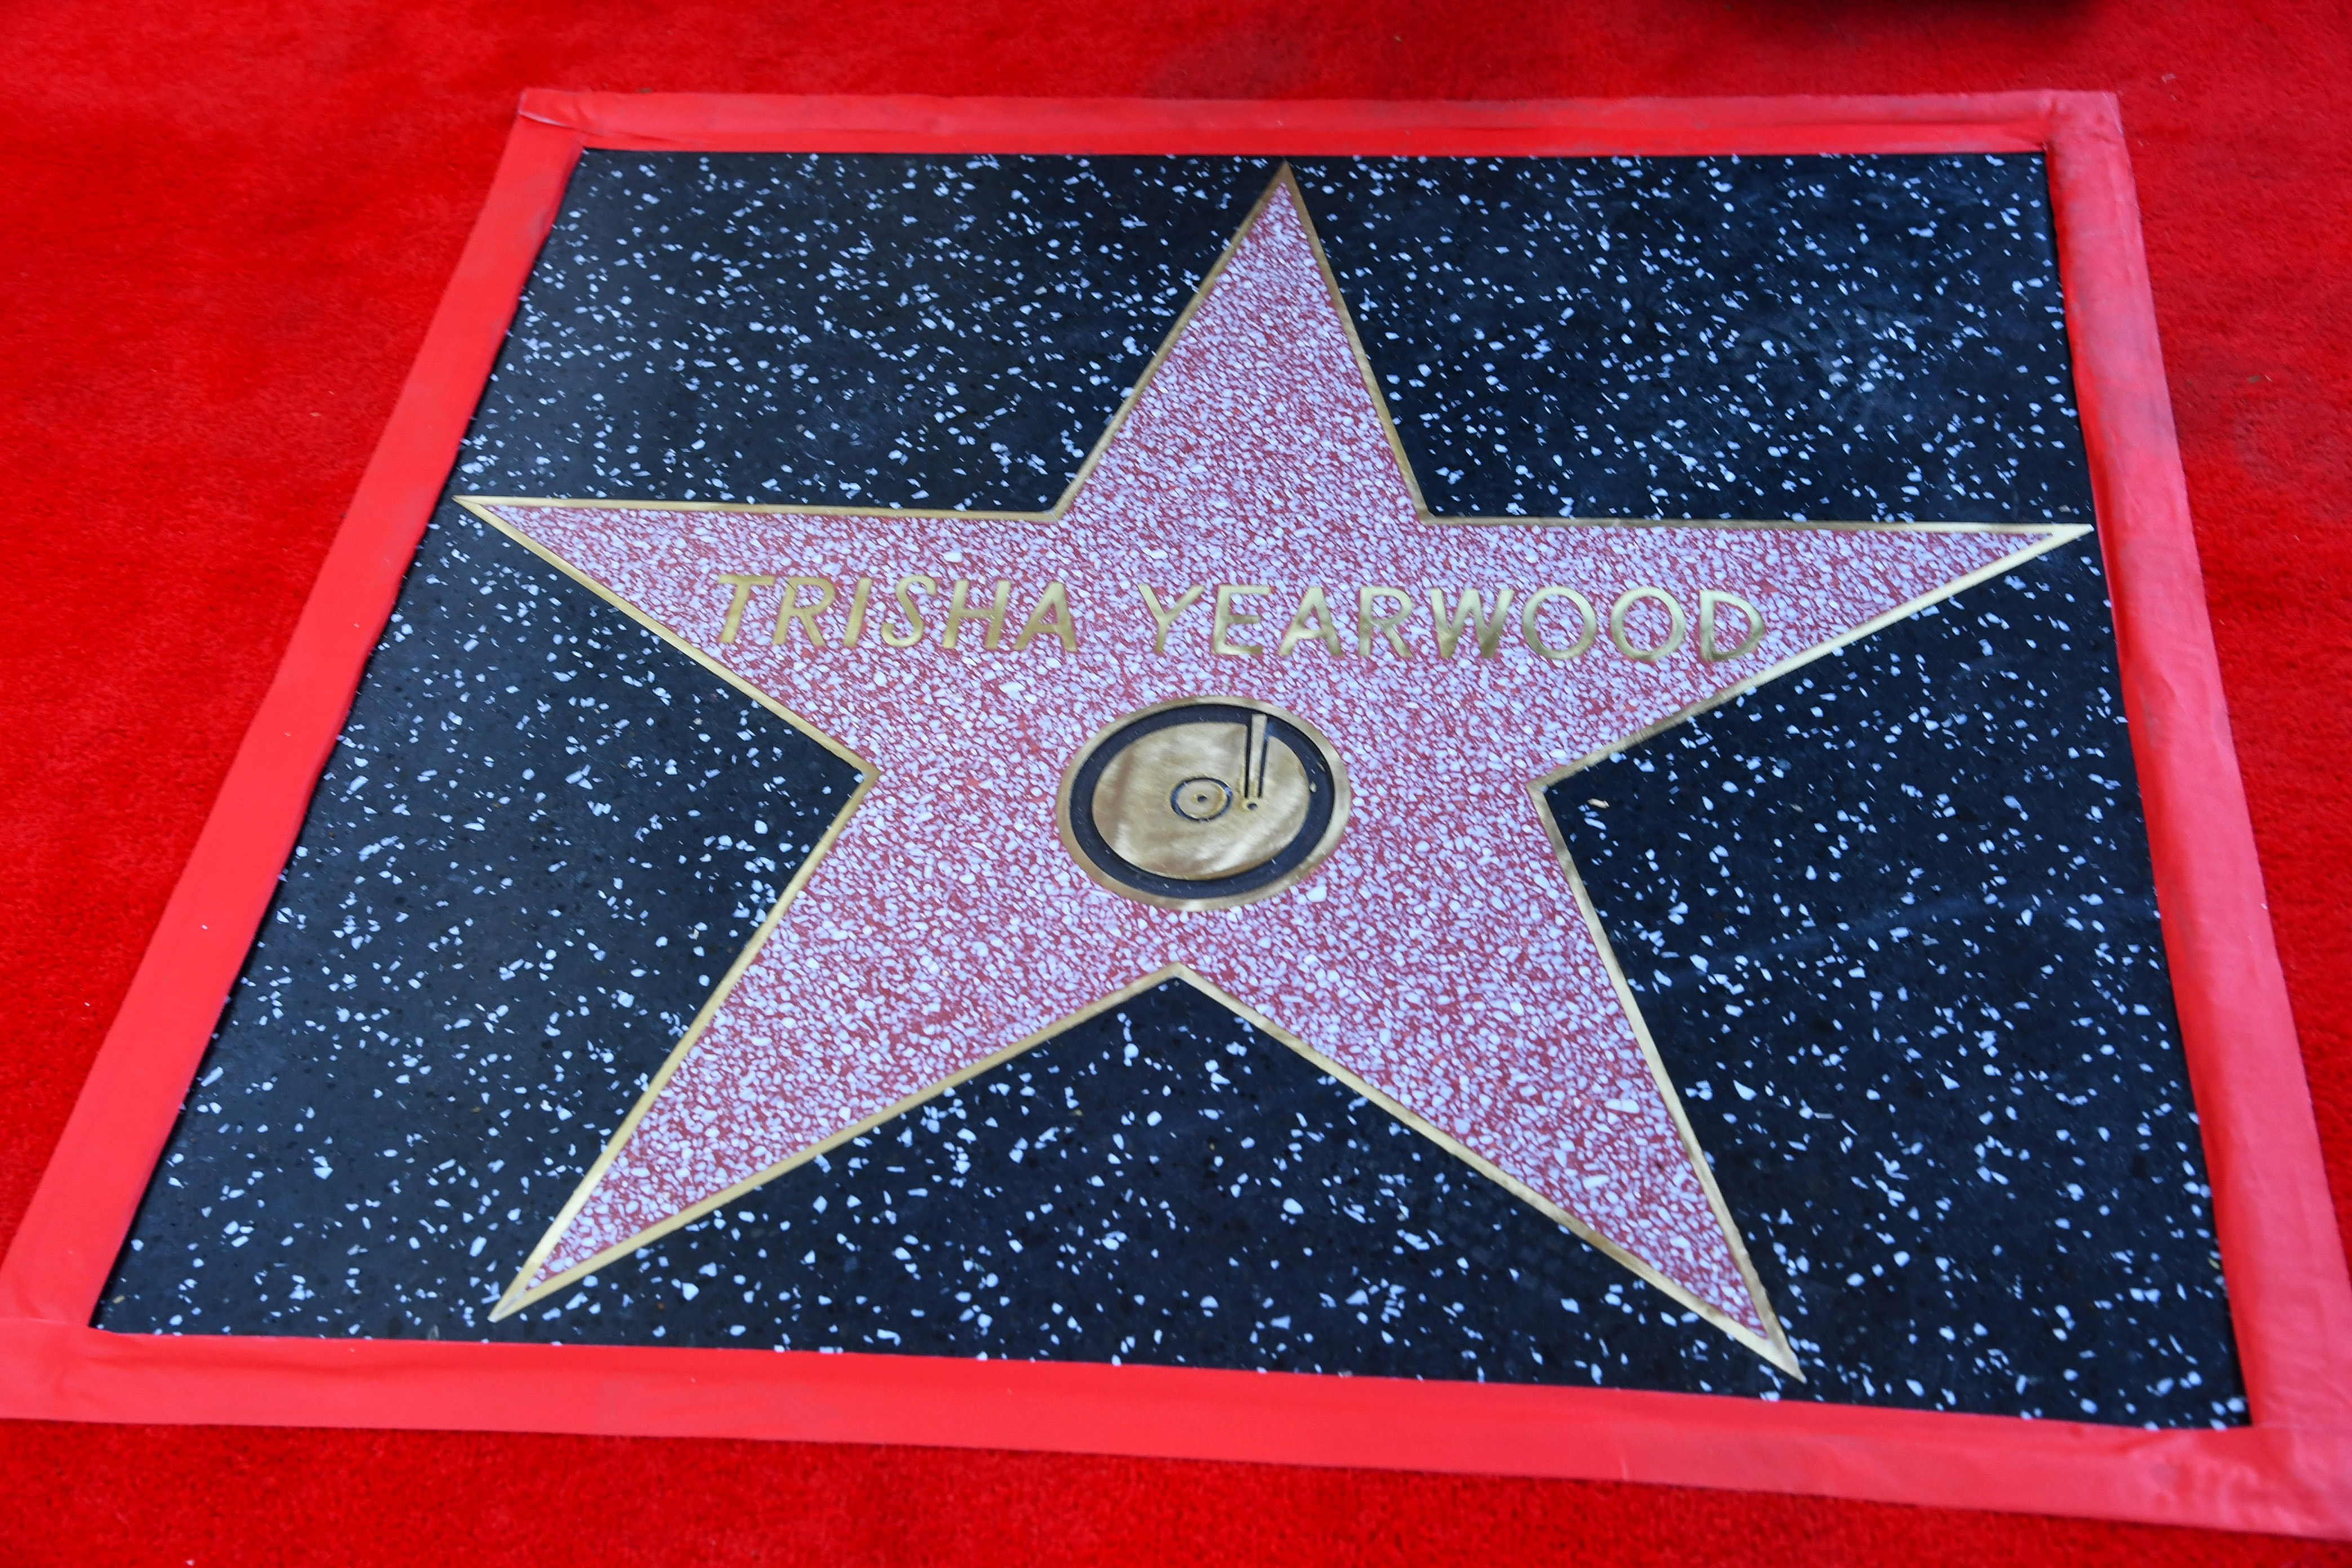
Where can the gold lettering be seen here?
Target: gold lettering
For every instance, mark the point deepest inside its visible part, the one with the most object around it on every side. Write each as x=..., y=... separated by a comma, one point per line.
x=1676, y=624
x=1370, y=625
x=742, y=582
x=1468, y=613
x=958, y=612
x=1313, y=622
x=791, y=609
x=1708, y=650
x=1588, y=624
x=913, y=582
x=857, y=598
x=1165, y=619
x=1228, y=616
x=1052, y=615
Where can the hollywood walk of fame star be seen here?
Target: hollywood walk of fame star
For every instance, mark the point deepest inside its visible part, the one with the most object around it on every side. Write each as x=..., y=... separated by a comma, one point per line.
x=1437, y=954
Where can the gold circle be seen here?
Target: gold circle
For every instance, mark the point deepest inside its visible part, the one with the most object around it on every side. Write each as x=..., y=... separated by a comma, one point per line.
x=1205, y=800
x=1179, y=801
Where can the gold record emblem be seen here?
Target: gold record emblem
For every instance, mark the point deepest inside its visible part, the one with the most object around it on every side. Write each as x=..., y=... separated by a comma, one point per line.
x=1204, y=804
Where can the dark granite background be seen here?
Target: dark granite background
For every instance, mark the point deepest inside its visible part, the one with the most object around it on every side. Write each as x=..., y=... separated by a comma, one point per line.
x=1890, y=918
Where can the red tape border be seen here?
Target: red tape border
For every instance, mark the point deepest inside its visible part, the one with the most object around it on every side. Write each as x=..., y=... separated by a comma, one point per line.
x=2291, y=1299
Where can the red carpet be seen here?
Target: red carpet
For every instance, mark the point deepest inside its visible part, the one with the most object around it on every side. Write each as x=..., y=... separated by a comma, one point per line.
x=229, y=225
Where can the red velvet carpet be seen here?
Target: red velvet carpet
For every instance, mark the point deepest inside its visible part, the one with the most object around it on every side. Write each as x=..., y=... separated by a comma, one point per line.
x=227, y=226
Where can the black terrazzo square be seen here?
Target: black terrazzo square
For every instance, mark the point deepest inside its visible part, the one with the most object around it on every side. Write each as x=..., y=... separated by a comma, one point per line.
x=1890, y=919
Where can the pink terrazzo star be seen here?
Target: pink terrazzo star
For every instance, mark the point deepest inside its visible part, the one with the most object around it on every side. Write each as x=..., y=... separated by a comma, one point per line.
x=1440, y=959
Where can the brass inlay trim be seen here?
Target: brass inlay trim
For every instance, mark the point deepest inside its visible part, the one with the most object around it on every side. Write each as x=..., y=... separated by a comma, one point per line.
x=1773, y=1346
x=1284, y=183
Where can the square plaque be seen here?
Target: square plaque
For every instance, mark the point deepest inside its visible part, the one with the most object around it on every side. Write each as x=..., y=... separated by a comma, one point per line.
x=1534, y=789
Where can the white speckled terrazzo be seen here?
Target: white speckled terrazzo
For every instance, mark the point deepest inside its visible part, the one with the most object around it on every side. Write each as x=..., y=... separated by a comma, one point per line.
x=947, y=921
x=1888, y=918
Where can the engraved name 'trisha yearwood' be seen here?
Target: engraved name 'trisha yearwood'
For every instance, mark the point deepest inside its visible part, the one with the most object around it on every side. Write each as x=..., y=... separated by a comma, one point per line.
x=1643, y=623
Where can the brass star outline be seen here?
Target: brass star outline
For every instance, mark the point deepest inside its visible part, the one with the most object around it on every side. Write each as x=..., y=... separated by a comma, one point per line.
x=1773, y=1346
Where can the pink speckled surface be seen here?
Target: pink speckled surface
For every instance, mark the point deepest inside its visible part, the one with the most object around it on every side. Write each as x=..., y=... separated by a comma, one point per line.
x=1438, y=955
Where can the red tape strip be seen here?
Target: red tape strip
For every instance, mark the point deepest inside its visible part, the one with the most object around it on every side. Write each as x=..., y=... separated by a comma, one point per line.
x=2290, y=1297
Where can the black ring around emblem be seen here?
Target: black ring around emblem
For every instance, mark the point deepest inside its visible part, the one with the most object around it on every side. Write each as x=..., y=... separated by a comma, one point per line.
x=1087, y=837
